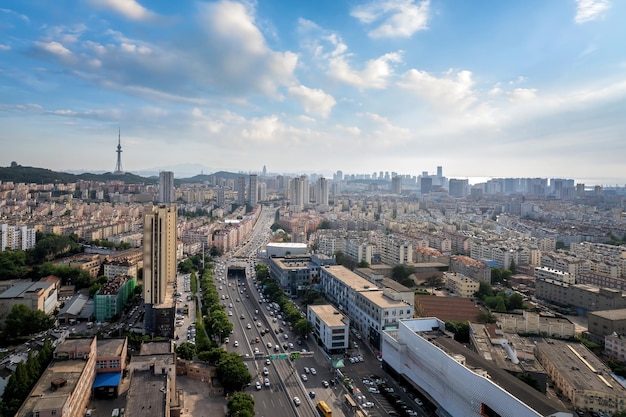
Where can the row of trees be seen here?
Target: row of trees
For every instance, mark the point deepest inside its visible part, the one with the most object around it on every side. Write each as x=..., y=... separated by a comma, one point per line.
x=22, y=381
x=275, y=293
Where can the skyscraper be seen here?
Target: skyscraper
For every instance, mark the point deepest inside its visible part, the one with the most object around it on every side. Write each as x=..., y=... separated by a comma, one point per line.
x=159, y=268
x=166, y=187
x=253, y=190
x=396, y=185
x=321, y=192
x=240, y=187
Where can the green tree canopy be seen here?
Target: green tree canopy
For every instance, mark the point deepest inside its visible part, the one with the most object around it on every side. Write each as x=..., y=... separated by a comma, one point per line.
x=22, y=321
x=186, y=351
x=232, y=372
x=240, y=405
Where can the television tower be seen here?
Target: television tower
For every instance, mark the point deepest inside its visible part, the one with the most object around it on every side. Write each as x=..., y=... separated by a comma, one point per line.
x=118, y=166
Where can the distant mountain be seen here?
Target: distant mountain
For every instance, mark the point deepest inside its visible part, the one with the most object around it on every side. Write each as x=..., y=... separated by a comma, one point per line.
x=28, y=175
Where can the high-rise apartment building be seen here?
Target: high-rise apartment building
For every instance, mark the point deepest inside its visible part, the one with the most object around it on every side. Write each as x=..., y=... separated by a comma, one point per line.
x=240, y=187
x=159, y=268
x=16, y=237
x=396, y=185
x=458, y=188
x=166, y=187
x=253, y=190
x=426, y=185
x=321, y=192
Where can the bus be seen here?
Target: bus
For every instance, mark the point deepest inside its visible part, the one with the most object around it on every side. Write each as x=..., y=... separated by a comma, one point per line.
x=323, y=409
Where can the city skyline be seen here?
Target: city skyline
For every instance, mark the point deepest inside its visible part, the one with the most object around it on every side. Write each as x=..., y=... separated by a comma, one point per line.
x=532, y=89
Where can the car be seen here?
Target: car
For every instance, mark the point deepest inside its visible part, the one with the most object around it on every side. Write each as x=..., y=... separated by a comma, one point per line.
x=303, y=376
x=242, y=317
x=286, y=336
x=267, y=361
x=230, y=313
x=367, y=381
x=257, y=339
x=258, y=386
x=227, y=340
x=296, y=401
x=312, y=394
x=249, y=326
x=290, y=345
x=236, y=344
x=256, y=351
x=269, y=345
x=267, y=382
x=313, y=371
x=230, y=305
x=374, y=390
x=274, y=320
x=265, y=371
x=368, y=404
x=258, y=324
x=306, y=370
x=418, y=401
x=360, y=358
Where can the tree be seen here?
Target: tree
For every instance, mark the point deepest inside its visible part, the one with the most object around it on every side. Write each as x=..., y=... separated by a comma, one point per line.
x=324, y=224
x=460, y=329
x=515, y=301
x=401, y=273
x=303, y=327
x=186, y=351
x=486, y=317
x=13, y=264
x=363, y=264
x=212, y=355
x=434, y=281
x=22, y=321
x=232, y=372
x=513, y=267
x=484, y=290
x=241, y=405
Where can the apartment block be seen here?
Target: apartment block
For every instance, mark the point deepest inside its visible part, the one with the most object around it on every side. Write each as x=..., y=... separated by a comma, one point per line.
x=110, y=300
x=615, y=346
x=460, y=285
x=543, y=273
x=16, y=237
x=606, y=322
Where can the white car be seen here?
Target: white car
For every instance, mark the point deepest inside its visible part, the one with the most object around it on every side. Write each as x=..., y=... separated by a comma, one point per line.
x=303, y=376
x=258, y=386
x=249, y=326
x=236, y=344
x=306, y=370
x=296, y=401
x=373, y=390
x=313, y=371
x=368, y=404
x=227, y=340
x=267, y=382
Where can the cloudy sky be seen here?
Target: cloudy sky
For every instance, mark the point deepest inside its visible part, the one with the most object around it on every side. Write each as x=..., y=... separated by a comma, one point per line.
x=482, y=88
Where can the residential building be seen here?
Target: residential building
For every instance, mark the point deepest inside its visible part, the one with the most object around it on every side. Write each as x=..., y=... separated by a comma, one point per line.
x=534, y=323
x=120, y=267
x=16, y=237
x=166, y=187
x=460, y=285
x=40, y=295
x=615, y=346
x=370, y=309
x=111, y=359
x=253, y=190
x=543, y=273
x=110, y=299
x=330, y=327
x=159, y=269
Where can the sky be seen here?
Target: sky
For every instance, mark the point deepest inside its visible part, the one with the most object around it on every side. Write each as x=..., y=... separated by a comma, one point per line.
x=529, y=88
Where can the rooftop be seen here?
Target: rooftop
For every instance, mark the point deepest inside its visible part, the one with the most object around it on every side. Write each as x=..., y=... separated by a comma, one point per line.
x=350, y=278
x=380, y=300
x=111, y=347
x=330, y=315
x=146, y=395
x=619, y=314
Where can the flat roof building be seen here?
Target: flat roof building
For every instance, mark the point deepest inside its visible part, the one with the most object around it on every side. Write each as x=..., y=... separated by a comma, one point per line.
x=330, y=327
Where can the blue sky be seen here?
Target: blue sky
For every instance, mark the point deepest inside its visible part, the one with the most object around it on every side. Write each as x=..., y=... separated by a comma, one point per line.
x=482, y=88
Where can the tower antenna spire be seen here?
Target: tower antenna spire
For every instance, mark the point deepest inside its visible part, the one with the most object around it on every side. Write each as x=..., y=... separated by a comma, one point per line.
x=118, y=165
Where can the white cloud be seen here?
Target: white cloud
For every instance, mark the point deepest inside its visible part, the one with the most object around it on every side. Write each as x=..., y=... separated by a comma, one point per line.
x=4, y=47
x=522, y=94
x=130, y=9
x=396, y=18
x=588, y=10
x=374, y=75
x=14, y=13
x=352, y=130
x=263, y=129
x=307, y=119
x=54, y=48
x=453, y=89
x=313, y=100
